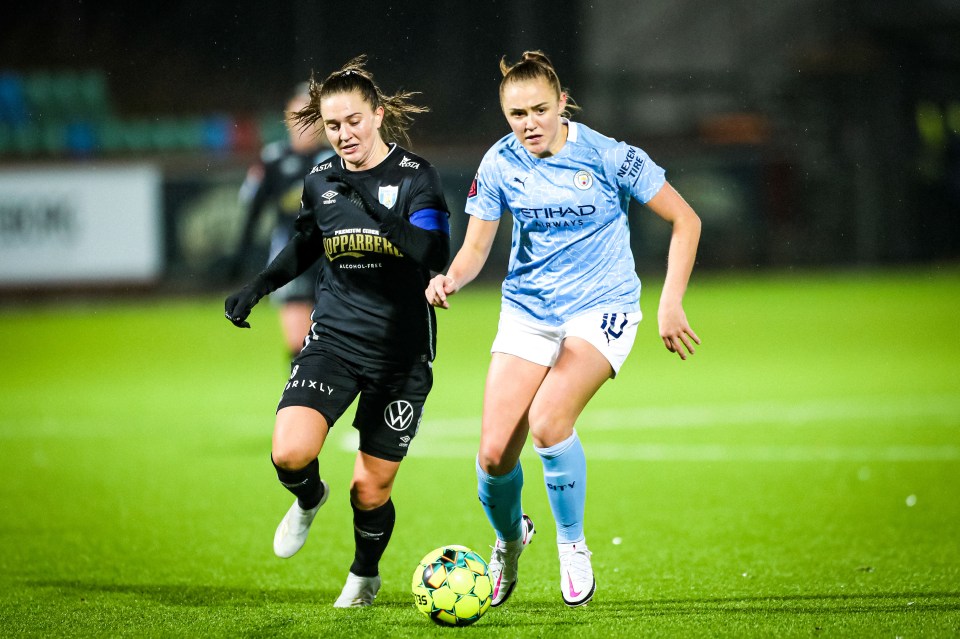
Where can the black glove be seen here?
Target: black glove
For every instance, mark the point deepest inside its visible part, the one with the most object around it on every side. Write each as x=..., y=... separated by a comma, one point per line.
x=353, y=189
x=237, y=307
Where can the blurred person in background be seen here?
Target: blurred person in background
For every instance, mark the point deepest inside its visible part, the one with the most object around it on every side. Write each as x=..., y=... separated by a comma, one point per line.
x=275, y=183
x=376, y=219
x=570, y=305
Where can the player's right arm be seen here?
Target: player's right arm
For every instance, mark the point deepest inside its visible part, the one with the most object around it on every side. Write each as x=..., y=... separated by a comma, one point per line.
x=467, y=264
x=485, y=205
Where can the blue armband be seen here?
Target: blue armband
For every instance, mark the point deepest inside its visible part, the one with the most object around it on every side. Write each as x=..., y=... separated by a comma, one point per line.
x=431, y=220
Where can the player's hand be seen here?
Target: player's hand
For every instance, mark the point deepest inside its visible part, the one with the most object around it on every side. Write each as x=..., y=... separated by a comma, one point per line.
x=237, y=307
x=675, y=331
x=439, y=288
x=353, y=189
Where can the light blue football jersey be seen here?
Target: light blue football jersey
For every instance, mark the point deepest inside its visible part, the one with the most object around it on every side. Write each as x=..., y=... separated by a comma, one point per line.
x=570, y=249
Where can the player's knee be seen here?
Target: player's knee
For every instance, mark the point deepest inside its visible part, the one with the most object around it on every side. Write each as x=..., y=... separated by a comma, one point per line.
x=493, y=460
x=549, y=427
x=291, y=458
x=367, y=495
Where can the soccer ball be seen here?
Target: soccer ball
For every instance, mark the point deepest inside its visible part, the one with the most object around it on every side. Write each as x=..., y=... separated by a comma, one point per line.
x=451, y=586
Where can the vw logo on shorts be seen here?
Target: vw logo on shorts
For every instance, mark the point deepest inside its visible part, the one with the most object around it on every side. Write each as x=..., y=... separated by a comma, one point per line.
x=398, y=414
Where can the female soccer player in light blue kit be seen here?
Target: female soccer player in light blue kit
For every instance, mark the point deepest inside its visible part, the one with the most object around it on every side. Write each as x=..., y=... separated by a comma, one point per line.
x=570, y=308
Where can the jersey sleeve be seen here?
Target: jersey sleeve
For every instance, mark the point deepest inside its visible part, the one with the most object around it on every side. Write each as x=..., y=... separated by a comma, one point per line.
x=428, y=247
x=484, y=200
x=634, y=172
x=427, y=192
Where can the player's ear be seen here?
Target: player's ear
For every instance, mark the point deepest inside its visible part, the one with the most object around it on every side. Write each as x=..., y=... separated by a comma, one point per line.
x=563, y=101
x=378, y=116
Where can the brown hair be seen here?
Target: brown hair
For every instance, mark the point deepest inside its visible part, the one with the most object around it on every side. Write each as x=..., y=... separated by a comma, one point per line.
x=535, y=65
x=398, y=112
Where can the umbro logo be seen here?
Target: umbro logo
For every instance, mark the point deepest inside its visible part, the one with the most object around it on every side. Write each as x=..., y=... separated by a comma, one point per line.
x=328, y=196
x=409, y=164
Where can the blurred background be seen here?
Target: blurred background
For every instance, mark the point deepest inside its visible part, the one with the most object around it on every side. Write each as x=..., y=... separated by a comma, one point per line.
x=806, y=133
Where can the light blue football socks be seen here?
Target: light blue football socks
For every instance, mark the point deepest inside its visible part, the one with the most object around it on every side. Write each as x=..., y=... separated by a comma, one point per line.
x=565, y=473
x=500, y=496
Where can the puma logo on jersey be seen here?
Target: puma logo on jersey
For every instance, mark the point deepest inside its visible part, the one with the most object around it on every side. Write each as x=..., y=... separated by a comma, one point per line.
x=522, y=182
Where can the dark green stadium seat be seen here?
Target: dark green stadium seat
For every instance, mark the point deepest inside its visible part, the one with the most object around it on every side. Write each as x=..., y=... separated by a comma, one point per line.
x=6, y=140
x=53, y=138
x=138, y=135
x=26, y=140
x=92, y=95
x=272, y=128
x=38, y=91
x=110, y=135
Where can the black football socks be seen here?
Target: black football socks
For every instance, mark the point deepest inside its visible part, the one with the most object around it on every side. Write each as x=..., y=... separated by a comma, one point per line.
x=304, y=483
x=371, y=532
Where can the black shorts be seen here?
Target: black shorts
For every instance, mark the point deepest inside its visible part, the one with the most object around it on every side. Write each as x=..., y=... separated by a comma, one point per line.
x=391, y=398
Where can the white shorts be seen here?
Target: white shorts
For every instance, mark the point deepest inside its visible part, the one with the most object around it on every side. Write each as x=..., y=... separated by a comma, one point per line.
x=612, y=334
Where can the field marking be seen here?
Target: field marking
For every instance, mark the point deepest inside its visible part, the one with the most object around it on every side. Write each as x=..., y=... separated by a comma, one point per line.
x=772, y=453
x=940, y=407
x=460, y=447
x=460, y=435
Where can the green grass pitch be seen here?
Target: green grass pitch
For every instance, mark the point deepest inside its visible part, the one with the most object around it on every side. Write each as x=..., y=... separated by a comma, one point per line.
x=799, y=476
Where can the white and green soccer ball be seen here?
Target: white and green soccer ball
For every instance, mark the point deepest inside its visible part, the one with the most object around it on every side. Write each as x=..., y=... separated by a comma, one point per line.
x=451, y=585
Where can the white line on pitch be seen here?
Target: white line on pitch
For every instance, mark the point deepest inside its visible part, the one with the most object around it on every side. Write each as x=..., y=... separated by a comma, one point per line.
x=945, y=408
x=443, y=447
x=460, y=435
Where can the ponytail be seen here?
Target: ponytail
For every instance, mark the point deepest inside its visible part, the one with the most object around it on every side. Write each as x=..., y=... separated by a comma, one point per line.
x=532, y=66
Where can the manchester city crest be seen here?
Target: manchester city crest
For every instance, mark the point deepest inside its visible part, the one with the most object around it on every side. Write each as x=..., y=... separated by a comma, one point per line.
x=388, y=195
x=583, y=180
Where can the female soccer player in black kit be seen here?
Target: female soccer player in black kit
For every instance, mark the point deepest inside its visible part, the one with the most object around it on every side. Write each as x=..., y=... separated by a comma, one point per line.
x=376, y=219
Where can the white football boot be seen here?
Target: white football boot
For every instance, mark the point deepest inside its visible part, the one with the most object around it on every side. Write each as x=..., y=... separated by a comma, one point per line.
x=358, y=592
x=502, y=566
x=577, y=583
x=292, y=532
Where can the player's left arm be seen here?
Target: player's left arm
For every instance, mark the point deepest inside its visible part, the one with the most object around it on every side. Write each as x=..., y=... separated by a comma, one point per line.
x=425, y=237
x=674, y=328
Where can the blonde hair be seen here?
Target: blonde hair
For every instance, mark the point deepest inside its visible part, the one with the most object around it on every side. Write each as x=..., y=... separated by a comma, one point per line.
x=532, y=66
x=398, y=112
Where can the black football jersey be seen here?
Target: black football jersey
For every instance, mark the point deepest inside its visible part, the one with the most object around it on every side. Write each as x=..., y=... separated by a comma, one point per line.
x=370, y=296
